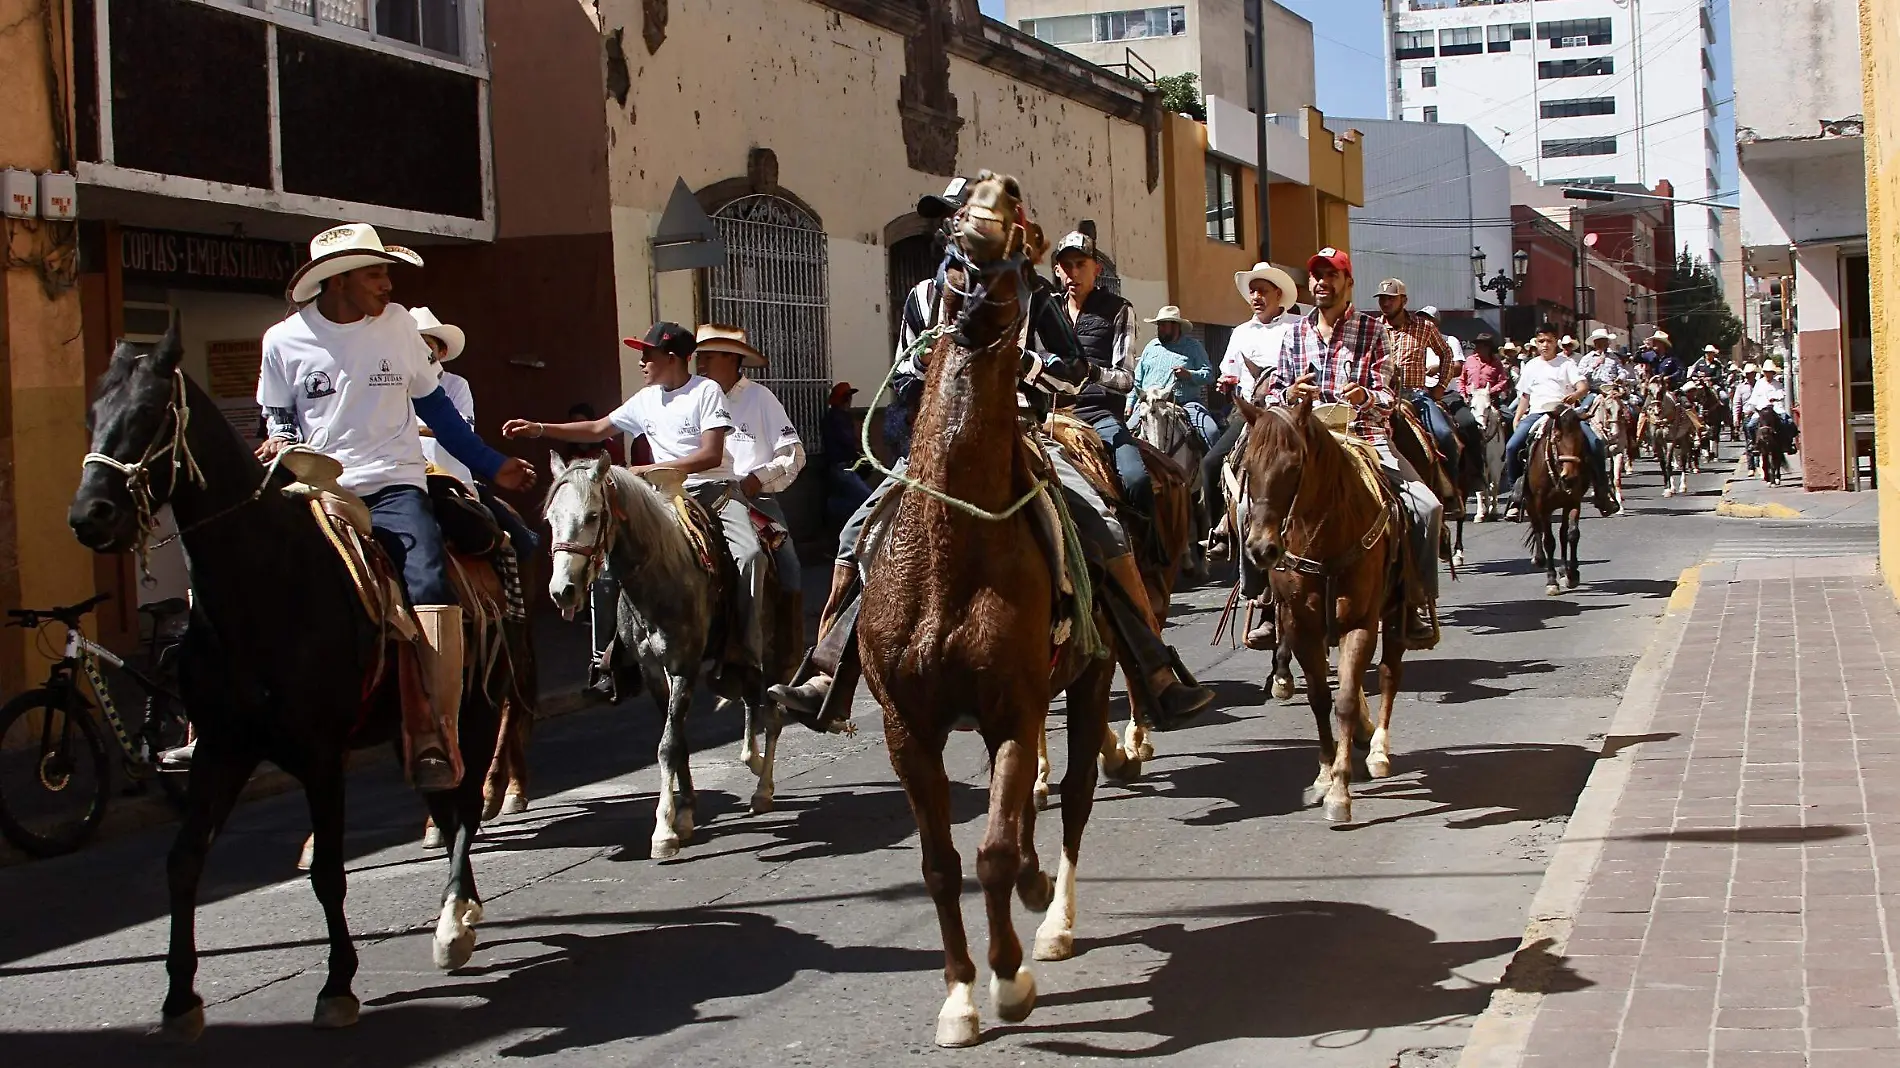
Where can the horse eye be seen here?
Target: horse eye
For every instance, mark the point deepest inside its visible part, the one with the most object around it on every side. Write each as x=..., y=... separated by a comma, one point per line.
x=590, y=517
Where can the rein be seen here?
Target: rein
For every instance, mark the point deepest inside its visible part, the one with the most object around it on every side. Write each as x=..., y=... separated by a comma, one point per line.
x=1291, y=561
x=595, y=554
x=138, y=476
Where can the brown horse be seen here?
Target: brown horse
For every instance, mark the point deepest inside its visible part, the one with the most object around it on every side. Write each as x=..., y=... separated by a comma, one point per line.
x=957, y=623
x=1332, y=545
x=1557, y=478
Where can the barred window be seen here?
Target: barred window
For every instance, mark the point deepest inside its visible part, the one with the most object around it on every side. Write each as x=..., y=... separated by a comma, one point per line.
x=1579, y=146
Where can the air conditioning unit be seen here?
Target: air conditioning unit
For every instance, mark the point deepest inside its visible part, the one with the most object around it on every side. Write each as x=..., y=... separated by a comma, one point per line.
x=1573, y=42
x=146, y=323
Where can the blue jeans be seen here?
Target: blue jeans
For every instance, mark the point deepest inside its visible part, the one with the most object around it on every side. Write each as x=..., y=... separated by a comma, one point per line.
x=1519, y=444
x=1439, y=424
x=403, y=521
x=1137, y=489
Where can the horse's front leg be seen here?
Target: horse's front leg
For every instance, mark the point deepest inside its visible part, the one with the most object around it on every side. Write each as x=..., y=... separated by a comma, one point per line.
x=672, y=816
x=1000, y=862
x=323, y=790
x=1355, y=653
x=1547, y=540
x=218, y=774
x=919, y=766
x=773, y=719
x=457, y=813
x=1088, y=705
x=1573, y=534
x=1391, y=677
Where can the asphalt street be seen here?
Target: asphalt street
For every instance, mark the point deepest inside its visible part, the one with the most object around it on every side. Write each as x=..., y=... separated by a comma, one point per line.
x=1222, y=922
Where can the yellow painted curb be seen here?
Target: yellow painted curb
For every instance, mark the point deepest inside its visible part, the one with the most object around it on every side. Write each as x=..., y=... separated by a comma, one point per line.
x=1683, y=597
x=1738, y=510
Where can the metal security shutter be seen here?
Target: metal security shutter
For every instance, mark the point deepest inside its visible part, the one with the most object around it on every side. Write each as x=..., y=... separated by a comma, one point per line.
x=775, y=283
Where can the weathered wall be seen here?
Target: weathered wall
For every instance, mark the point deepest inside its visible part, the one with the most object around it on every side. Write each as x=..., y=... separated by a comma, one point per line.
x=42, y=363
x=1880, y=86
x=1795, y=64
x=819, y=88
x=546, y=98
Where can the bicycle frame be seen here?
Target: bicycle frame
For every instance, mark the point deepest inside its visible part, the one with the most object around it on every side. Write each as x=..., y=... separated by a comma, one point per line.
x=87, y=655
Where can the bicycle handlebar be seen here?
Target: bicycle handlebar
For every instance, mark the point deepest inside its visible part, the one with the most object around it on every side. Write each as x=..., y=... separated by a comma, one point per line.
x=69, y=615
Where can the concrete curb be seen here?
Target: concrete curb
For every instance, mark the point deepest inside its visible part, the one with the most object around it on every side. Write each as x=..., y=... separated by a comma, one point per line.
x=1734, y=509
x=1499, y=1036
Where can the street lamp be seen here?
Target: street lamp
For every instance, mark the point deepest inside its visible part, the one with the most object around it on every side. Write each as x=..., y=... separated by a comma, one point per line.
x=1502, y=284
x=1629, y=312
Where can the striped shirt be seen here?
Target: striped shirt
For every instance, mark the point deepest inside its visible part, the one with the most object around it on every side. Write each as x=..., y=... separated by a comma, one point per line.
x=1355, y=355
x=1407, y=345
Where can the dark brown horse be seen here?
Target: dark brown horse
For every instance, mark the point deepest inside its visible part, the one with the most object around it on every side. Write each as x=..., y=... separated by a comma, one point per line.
x=1557, y=478
x=1331, y=544
x=959, y=604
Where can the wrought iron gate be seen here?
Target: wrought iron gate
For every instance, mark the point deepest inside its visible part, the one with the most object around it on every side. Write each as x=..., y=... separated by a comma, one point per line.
x=775, y=283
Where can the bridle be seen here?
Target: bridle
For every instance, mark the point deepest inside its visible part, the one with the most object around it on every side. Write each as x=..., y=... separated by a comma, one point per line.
x=175, y=451
x=612, y=519
x=1307, y=565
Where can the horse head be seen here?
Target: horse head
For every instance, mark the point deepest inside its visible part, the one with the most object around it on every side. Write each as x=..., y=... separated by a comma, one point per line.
x=984, y=264
x=580, y=512
x=1484, y=410
x=1571, y=446
x=1275, y=461
x=136, y=422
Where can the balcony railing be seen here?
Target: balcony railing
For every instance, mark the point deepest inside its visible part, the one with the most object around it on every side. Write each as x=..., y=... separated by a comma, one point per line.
x=1440, y=5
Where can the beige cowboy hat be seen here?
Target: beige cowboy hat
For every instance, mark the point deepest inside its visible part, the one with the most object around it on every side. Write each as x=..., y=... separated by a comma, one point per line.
x=450, y=336
x=344, y=248
x=1749, y=369
x=1273, y=276
x=717, y=337
x=1170, y=313
x=1770, y=366
x=1508, y=346
x=1568, y=342
x=1657, y=336
x=1711, y=350
x=1600, y=334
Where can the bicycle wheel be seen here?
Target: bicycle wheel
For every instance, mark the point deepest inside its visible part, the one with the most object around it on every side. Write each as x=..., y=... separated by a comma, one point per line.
x=54, y=777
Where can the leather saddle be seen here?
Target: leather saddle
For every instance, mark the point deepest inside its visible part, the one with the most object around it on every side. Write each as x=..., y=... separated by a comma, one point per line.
x=1085, y=449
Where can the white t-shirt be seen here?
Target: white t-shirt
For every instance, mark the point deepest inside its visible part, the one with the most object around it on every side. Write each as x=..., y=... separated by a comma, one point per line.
x=760, y=432
x=673, y=420
x=1253, y=350
x=1548, y=382
x=1766, y=394
x=463, y=398
x=352, y=387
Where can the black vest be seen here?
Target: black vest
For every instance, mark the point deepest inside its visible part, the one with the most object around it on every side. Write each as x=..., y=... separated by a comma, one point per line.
x=1095, y=332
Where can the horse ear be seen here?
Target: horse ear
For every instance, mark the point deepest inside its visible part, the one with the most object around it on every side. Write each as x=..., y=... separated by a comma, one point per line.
x=170, y=350
x=1304, y=410
x=555, y=463
x=1248, y=410
x=601, y=464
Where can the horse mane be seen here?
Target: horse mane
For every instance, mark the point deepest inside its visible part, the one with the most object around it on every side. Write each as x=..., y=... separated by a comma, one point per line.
x=649, y=518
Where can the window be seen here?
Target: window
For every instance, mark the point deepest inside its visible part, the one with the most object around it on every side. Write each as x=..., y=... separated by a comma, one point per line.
x=1564, y=33
x=776, y=284
x=1570, y=109
x=1135, y=25
x=436, y=25
x=1575, y=68
x=1223, y=207
x=1431, y=114
x=1413, y=44
x=1498, y=37
x=1461, y=41
x=1428, y=77
x=1579, y=146
x=1062, y=30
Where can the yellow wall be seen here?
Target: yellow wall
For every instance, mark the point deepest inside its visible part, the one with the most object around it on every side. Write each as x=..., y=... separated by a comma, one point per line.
x=43, y=357
x=1880, y=54
x=820, y=88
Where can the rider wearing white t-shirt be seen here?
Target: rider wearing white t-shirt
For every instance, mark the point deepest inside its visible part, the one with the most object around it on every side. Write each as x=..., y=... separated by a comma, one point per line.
x=1546, y=383
x=763, y=446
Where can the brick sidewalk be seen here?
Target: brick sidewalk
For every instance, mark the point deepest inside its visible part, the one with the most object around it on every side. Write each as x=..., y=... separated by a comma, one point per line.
x=1739, y=913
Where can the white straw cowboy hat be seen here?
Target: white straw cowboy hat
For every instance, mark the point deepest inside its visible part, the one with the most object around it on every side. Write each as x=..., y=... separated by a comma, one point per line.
x=717, y=337
x=429, y=326
x=1170, y=313
x=344, y=248
x=1273, y=276
x=1749, y=369
x=1711, y=350
x=1657, y=336
x=1600, y=334
x=1770, y=365
x=1568, y=342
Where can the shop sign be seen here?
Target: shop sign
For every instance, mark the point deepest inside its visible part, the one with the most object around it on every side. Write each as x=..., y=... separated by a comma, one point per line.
x=174, y=259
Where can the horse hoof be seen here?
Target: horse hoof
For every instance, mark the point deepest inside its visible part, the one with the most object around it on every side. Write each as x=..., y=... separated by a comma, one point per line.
x=665, y=848
x=335, y=1012
x=1670, y=492
x=1127, y=771
x=1141, y=753
x=1570, y=582
x=761, y=804
x=1042, y=796
x=1013, y=999
x=1282, y=687
x=957, y=1024
x=1379, y=767
x=755, y=763
x=1458, y=559
x=182, y=1029
x=1553, y=590
x=432, y=837
x=514, y=804
x=1338, y=811
x=491, y=807
x=1038, y=893
x=1059, y=945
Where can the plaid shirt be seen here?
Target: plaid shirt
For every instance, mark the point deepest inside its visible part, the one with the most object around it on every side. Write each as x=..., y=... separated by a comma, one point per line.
x=1408, y=345
x=1483, y=372
x=1355, y=356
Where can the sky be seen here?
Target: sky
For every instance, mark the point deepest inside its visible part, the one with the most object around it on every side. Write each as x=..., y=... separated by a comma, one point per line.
x=1347, y=53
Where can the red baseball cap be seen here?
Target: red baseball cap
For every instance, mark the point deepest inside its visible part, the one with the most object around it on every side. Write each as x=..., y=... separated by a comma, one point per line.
x=1340, y=261
x=665, y=337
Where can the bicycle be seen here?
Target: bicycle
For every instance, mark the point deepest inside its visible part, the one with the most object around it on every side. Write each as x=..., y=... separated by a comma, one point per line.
x=54, y=770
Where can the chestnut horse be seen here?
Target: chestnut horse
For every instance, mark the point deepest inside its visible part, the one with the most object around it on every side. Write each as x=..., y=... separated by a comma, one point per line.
x=1556, y=479
x=956, y=626
x=1332, y=547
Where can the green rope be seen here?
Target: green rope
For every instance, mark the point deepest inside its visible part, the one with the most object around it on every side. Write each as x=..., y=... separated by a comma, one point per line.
x=1082, y=632
x=924, y=341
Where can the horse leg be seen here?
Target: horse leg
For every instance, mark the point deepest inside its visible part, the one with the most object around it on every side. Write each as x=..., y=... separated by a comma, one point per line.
x=1355, y=651
x=1041, y=790
x=1573, y=533
x=459, y=813
x=1136, y=744
x=672, y=817
x=1088, y=703
x=1282, y=672
x=1547, y=541
x=919, y=766
x=1000, y=862
x=749, y=754
x=495, y=783
x=1391, y=676
x=336, y=1005
x=515, y=746
x=1458, y=544
x=1312, y=655
x=218, y=774
x=774, y=721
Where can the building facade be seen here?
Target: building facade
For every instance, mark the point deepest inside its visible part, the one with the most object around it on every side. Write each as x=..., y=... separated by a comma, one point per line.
x=1798, y=114
x=1880, y=87
x=1578, y=91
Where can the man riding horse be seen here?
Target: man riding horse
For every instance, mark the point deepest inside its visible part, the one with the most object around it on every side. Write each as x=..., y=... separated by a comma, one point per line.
x=348, y=374
x=820, y=696
x=1177, y=362
x=1253, y=348
x=1605, y=366
x=1412, y=342
x=1337, y=355
x=1767, y=402
x=1547, y=383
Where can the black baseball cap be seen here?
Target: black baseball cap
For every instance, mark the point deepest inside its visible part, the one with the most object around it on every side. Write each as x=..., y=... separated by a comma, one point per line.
x=666, y=337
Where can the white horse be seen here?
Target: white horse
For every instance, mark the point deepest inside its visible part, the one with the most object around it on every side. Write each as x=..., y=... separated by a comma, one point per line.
x=1491, y=425
x=599, y=514
x=1611, y=418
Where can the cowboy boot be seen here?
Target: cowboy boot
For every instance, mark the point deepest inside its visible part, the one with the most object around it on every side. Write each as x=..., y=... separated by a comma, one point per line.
x=1263, y=636
x=434, y=767
x=1172, y=701
x=805, y=700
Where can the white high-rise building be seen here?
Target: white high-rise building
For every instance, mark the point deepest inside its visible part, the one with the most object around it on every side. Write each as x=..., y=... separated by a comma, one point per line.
x=1582, y=91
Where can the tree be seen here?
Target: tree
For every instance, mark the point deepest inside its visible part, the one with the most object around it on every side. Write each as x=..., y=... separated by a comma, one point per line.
x=1694, y=313
x=1181, y=95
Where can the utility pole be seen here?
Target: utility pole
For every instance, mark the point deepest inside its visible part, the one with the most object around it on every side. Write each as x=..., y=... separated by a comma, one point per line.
x=1263, y=180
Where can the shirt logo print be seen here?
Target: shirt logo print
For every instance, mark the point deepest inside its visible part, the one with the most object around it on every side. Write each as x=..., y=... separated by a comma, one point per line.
x=385, y=376
x=317, y=384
